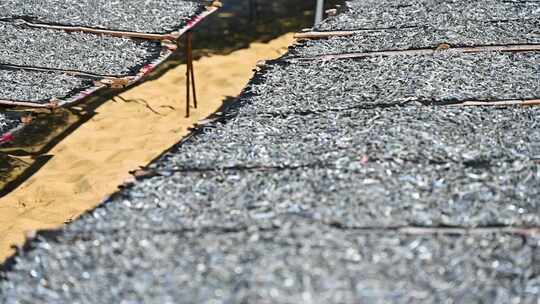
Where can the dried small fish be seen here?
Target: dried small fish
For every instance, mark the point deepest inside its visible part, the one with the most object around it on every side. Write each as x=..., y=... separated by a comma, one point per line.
x=145, y=16
x=38, y=87
x=95, y=54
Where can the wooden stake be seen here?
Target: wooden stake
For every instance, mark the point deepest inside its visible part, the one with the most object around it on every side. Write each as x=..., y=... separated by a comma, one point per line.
x=188, y=72
x=192, y=70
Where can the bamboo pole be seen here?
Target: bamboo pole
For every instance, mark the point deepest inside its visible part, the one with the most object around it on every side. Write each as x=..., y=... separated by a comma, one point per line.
x=516, y=102
x=122, y=34
x=468, y=231
x=322, y=35
x=26, y=104
x=429, y=51
x=69, y=72
x=501, y=48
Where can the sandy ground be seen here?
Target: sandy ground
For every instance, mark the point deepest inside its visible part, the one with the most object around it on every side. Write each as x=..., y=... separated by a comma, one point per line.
x=89, y=164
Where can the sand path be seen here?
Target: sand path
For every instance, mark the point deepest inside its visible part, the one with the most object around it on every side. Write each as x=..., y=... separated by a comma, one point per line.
x=91, y=162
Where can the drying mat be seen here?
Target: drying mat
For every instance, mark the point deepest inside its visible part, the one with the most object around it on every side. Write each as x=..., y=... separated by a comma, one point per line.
x=45, y=88
x=385, y=14
x=68, y=94
x=292, y=260
x=349, y=194
x=205, y=229
x=440, y=78
x=76, y=51
x=40, y=89
x=163, y=17
x=419, y=134
x=344, y=227
x=467, y=33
